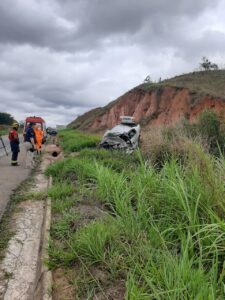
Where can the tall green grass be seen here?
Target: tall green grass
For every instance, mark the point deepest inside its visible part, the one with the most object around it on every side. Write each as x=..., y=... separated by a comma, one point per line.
x=72, y=169
x=165, y=236
x=73, y=141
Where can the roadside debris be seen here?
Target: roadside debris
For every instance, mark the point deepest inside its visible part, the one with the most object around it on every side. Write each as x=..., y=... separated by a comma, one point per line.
x=125, y=136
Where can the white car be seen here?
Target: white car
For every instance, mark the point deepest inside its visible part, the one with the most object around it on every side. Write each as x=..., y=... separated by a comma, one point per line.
x=125, y=136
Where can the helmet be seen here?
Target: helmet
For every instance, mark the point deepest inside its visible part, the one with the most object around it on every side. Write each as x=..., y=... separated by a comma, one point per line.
x=15, y=125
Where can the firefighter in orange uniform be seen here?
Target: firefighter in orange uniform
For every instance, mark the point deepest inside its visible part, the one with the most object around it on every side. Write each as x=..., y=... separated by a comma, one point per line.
x=39, y=135
x=14, y=143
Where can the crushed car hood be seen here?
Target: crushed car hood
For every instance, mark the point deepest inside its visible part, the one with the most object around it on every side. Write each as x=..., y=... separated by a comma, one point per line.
x=118, y=137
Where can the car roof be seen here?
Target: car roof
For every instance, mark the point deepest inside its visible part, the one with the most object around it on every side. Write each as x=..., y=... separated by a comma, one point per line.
x=121, y=128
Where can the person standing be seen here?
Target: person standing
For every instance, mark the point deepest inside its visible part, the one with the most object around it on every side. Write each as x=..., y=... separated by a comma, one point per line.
x=39, y=135
x=30, y=145
x=14, y=143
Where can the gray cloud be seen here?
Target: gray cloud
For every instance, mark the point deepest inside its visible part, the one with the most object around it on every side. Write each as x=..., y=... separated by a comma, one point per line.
x=60, y=58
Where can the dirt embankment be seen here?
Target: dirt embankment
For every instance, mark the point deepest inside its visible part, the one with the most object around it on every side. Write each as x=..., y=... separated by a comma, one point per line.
x=157, y=106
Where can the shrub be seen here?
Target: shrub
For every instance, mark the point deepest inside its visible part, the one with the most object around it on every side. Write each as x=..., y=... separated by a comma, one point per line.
x=209, y=127
x=162, y=144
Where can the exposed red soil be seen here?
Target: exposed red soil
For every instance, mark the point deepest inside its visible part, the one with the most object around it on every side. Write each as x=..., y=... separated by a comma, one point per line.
x=158, y=106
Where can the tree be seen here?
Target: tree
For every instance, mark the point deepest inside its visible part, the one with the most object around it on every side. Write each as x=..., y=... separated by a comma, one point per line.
x=207, y=65
x=6, y=119
x=214, y=67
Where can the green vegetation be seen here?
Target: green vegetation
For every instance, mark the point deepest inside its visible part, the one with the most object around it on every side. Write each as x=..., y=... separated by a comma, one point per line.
x=139, y=232
x=210, y=128
x=72, y=141
x=177, y=142
x=201, y=82
x=6, y=119
x=4, y=129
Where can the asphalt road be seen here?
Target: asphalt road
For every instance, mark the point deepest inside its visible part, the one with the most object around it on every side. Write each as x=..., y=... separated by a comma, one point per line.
x=10, y=177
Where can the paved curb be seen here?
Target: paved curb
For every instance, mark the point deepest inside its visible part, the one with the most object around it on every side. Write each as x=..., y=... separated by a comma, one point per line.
x=43, y=290
x=38, y=284
x=47, y=274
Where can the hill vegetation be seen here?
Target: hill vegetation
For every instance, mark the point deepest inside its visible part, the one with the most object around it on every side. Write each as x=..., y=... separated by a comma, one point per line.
x=203, y=82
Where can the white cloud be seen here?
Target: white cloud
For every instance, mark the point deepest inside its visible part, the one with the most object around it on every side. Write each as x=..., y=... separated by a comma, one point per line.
x=58, y=59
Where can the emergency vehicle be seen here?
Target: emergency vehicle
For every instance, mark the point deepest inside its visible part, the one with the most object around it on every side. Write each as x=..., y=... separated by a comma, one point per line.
x=38, y=121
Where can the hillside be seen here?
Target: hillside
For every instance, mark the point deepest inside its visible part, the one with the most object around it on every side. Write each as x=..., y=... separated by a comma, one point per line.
x=161, y=103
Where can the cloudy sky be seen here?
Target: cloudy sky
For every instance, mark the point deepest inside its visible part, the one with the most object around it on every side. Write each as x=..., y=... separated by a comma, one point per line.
x=59, y=58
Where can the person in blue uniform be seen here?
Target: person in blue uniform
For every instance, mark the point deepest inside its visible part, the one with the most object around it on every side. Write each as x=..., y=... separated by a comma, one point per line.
x=14, y=143
x=30, y=145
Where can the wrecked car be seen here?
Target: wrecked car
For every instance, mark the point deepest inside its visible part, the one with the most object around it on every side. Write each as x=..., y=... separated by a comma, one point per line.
x=124, y=136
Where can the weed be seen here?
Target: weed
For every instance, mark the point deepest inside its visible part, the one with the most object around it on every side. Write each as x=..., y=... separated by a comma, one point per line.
x=8, y=275
x=35, y=196
x=92, y=241
x=61, y=190
x=63, y=227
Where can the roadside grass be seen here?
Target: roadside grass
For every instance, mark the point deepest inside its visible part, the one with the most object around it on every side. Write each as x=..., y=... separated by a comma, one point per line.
x=61, y=190
x=163, y=233
x=72, y=169
x=117, y=160
x=72, y=141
